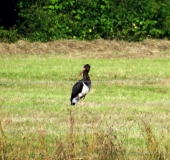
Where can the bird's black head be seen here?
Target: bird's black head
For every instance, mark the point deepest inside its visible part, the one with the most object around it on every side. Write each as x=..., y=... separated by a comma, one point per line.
x=87, y=67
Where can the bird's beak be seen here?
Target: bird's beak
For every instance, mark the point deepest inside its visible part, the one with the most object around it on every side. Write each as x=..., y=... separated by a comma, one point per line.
x=82, y=71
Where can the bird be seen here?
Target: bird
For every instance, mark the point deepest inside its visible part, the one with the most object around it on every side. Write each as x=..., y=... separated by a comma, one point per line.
x=81, y=88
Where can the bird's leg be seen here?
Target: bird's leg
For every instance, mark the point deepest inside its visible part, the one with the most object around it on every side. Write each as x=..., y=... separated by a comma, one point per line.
x=82, y=101
x=83, y=97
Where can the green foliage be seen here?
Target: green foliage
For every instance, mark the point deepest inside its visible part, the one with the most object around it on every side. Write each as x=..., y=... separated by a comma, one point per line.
x=8, y=36
x=165, y=14
x=130, y=20
x=33, y=20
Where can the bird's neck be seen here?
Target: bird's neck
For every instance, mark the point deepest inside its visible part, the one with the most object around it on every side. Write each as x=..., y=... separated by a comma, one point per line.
x=86, y=76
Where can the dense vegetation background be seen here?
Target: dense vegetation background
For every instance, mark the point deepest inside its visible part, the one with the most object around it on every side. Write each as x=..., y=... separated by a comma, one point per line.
x=47, y=20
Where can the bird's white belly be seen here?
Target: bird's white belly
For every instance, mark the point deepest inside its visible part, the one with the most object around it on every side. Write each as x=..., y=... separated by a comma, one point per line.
x=84, y=91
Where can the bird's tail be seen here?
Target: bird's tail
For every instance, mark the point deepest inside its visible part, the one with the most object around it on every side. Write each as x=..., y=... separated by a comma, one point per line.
x=74, y=100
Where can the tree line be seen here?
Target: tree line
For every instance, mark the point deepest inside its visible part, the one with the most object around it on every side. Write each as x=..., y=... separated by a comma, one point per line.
x=48, y=20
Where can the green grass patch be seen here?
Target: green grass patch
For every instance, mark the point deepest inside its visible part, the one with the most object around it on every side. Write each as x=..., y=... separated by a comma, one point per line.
x=126, y=113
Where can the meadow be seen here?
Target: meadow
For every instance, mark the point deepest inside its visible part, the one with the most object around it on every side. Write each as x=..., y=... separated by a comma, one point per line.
x=125, y=116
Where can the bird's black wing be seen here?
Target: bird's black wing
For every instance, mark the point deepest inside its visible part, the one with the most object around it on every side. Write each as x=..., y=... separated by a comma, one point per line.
x=77, y=88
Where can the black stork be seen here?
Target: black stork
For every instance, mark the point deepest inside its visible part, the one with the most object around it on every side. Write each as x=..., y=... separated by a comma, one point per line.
x=82, y=87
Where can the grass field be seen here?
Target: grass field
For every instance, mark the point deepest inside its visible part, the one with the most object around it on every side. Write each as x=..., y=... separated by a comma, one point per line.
x=125, y=116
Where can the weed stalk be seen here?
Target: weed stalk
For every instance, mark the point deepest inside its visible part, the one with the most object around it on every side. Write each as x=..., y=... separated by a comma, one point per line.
x=2, y=141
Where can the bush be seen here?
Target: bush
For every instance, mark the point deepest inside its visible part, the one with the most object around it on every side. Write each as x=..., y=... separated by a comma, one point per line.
x=8, y=36
x=132, y=20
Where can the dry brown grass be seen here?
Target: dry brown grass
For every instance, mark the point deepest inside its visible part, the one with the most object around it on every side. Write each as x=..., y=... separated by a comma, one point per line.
x=2, y=143
x=95, y=49
x=153, y=145
x=96, y=144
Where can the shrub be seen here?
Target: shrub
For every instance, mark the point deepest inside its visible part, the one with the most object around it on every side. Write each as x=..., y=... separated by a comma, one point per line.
x=132, y=20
